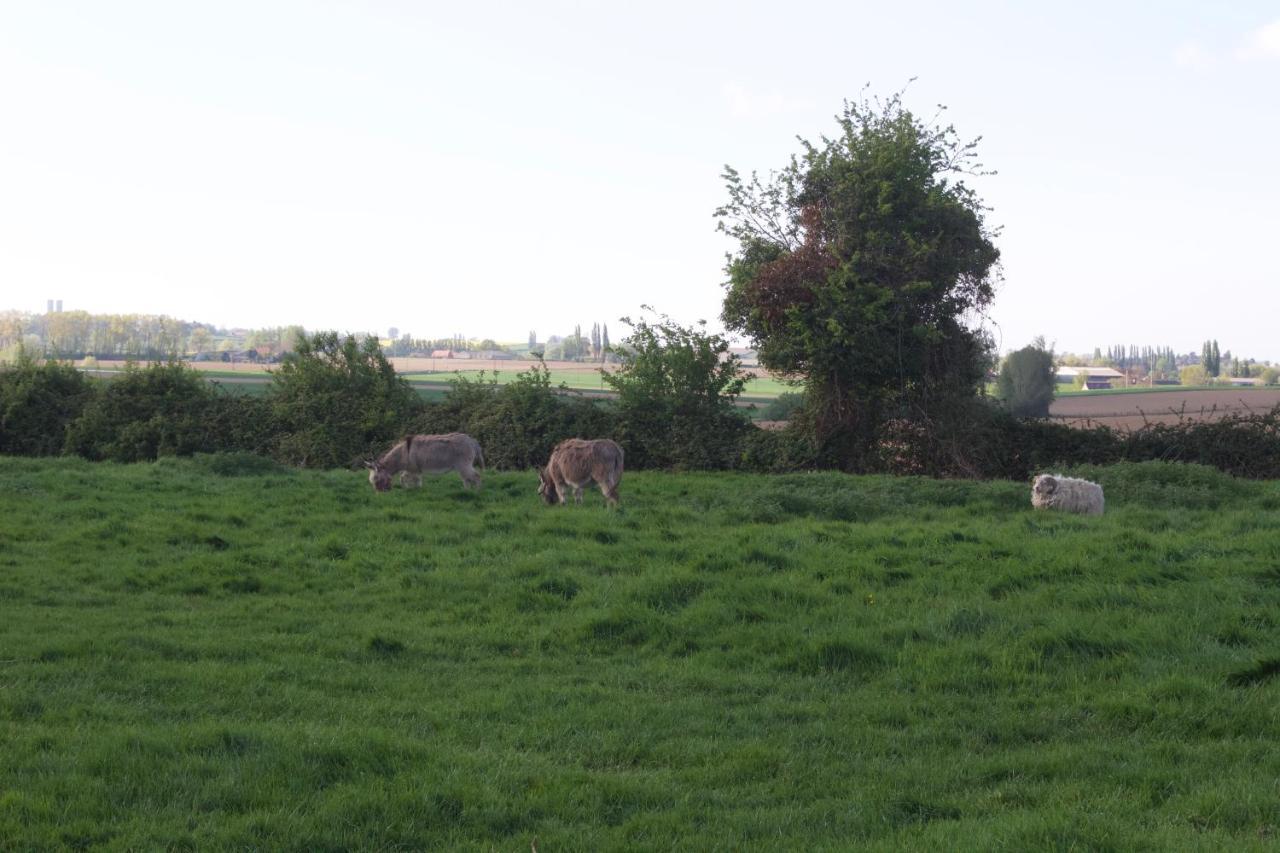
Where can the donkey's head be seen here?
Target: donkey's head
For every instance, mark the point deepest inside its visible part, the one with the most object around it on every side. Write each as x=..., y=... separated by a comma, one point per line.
x=379, y=477
x=547, y=487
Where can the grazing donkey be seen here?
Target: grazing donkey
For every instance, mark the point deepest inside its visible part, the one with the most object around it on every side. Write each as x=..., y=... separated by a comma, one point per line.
x=427, y=454
x=576, y=462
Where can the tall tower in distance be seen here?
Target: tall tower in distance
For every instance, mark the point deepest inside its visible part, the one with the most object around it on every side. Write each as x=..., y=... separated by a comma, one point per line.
x=58, y=309
x=49, y=310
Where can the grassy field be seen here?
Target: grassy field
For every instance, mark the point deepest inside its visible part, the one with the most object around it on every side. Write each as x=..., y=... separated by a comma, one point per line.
x=217, y=653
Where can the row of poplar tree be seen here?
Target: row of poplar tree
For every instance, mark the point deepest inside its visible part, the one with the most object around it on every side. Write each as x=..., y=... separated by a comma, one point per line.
x=575, y=347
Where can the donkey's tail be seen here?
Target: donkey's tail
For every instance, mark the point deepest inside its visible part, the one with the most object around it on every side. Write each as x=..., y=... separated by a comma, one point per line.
x=479, y=456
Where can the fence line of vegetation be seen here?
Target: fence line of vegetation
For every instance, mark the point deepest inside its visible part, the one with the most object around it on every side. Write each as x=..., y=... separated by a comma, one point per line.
x=337, y=401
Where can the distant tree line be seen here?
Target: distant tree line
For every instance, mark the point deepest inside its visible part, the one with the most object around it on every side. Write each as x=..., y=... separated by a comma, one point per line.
x=575, y=347
x=1163, y=363
x=140, y=337
x=1161, y=360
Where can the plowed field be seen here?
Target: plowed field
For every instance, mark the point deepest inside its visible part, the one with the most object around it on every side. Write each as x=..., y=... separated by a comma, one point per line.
x=1130, y=411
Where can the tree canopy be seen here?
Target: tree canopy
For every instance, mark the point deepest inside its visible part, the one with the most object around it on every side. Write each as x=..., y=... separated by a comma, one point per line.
x=860, y=267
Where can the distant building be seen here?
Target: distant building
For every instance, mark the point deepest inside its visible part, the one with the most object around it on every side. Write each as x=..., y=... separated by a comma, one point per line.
x=1095, y=377
x=442, y=353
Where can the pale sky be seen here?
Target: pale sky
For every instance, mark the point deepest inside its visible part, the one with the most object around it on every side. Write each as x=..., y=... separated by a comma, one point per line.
x=491, y=168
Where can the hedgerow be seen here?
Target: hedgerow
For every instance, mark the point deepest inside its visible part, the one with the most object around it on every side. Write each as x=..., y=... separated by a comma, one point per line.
x=329, y=416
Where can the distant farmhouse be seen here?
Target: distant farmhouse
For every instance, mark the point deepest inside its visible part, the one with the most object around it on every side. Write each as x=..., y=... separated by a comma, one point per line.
x=1095, y=377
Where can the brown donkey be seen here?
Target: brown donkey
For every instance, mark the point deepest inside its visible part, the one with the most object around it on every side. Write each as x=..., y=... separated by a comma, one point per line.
x=575, y=463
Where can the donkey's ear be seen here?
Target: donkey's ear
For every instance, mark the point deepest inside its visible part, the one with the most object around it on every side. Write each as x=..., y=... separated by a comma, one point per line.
x=372, y=466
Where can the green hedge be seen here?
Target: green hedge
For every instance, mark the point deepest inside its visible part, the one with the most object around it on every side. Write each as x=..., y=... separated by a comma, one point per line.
x=170, y=410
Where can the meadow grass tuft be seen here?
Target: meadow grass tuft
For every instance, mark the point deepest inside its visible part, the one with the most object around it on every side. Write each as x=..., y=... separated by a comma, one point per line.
x=218, y=652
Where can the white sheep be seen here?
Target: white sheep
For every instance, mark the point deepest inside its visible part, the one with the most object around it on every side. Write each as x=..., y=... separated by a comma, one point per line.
x=1054, y=491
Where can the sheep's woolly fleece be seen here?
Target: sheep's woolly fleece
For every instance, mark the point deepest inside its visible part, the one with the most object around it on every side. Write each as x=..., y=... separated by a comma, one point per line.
x=1054, y=491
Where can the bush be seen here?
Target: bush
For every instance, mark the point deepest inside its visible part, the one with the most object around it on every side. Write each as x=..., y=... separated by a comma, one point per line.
x=676, y=389
x=335, y=401
x=783, y=407
x=777, y=451
x=1193, y=374
x=993, y=444
x=145, y=413
x=37, y=404
x=1027, y=382
x=240, y=423
x=1270, y=376
x=516, y=424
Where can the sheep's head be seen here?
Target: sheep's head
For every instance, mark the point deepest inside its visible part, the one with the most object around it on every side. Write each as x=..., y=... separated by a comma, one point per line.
x=1045, y=485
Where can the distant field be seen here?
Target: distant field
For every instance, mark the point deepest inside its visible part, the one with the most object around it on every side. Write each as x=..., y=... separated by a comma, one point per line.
x=1068, y=391
x=219, y=654
x=211, y=368
x=758, y=387
x=1131, y=410
x=437, y=372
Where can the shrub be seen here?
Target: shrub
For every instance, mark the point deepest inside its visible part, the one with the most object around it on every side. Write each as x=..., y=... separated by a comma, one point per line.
x=676, y=389
x=777, y=451
x=147, y=412
x=1027, y=381
x=37, y=404
x=240, y=423
x=783, y=407
x=1270, y=376
x=336, y=400
x=1193, y=374
x=519, y=423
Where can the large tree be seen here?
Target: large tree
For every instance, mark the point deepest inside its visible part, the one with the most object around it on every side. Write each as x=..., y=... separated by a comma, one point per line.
x=861, y=267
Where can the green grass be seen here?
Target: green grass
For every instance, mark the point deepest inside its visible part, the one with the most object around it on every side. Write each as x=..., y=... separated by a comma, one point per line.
x=219, y=653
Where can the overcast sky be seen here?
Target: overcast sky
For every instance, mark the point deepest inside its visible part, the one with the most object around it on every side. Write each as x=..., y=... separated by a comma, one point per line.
x=491, y=168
